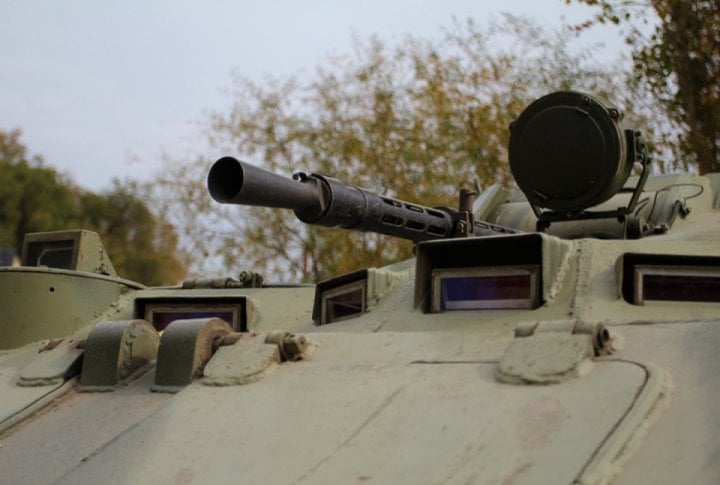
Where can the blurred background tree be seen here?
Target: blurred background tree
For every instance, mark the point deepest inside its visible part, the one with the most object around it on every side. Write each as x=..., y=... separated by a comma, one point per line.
x=142, y=246
x=413, y=121
x=33, y=197
x=416, y=121
x=678, y=63
x=36, y=198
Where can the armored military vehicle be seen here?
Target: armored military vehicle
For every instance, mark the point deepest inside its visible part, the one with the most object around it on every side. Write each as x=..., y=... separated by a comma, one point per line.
x=563, y=332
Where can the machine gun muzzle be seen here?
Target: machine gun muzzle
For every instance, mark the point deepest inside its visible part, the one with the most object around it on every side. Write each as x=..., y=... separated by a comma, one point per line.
x=322, y=200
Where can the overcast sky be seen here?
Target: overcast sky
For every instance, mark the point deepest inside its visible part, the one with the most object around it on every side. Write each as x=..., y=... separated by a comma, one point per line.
x=102, y=89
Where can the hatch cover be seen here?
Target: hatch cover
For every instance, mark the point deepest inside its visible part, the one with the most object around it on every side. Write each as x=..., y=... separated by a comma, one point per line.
x=340, y=416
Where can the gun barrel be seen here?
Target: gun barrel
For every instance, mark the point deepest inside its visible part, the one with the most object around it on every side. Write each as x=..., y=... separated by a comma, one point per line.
x=326, y=201
x=231, y=181
x=318, y=199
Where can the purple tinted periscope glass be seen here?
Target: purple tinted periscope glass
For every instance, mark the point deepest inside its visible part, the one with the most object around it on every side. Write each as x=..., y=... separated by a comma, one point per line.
x=161, y=319
x=486, y=292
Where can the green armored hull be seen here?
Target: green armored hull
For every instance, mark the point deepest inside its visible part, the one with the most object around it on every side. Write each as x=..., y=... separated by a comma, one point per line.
x=575, y=344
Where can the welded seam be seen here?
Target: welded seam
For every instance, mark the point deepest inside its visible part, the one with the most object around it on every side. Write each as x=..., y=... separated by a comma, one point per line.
x=37, y=405
x=352, y=436
x=604, y=463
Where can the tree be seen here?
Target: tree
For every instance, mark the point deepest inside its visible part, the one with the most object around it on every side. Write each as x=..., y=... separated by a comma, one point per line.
x=142, y=246
x=36, y=198
x=679, y=64
x=415, y=122
x=33, y=197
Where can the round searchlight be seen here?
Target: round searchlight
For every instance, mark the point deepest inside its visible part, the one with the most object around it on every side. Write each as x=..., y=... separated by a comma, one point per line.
x=568, y=152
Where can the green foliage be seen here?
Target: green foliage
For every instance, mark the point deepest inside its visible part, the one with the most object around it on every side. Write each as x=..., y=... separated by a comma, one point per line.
x=678, y=63
x=32, y=197
x=36, y=198
x=414, y=121
x=142, y=247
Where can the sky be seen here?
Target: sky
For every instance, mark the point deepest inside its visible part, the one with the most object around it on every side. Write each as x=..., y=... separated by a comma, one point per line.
x=104, y=89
